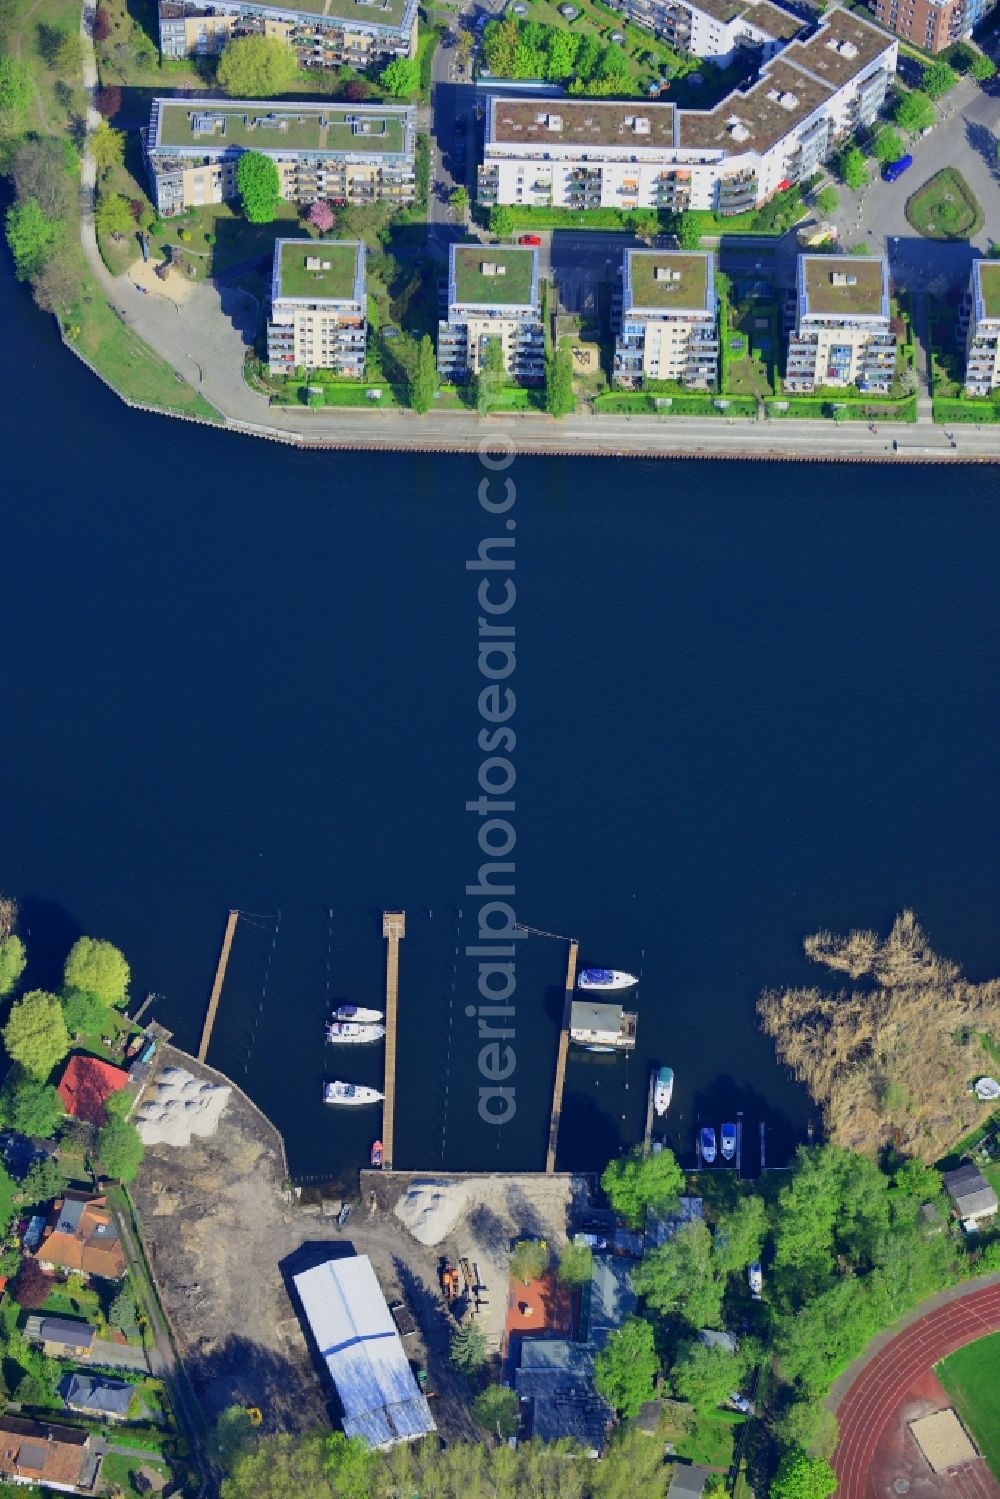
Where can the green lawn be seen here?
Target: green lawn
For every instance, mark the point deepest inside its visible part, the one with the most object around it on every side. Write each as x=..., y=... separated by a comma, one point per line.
x=116, y=1469
x=235, y=241
x=972, y=1378
x=945, y=207
x=711, y=1440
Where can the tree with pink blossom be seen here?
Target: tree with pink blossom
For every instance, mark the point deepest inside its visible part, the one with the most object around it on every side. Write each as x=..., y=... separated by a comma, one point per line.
x=321, y=216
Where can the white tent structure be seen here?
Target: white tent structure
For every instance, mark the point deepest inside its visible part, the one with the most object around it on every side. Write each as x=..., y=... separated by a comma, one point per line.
x=357, y=1339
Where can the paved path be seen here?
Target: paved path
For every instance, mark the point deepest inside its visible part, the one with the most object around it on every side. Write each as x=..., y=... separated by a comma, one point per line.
x=869, y=1396
x=119, y=1355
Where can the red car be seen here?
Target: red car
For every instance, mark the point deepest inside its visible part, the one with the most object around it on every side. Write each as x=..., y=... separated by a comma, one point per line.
x=530, y=239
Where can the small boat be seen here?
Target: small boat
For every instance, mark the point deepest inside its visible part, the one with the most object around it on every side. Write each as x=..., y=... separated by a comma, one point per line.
x=755, y=1277
x=663, y=1089
x=350, y=1093
x=353, y=1033
x=707, y=1141
x=355, y=1013
x=728, y=1141
x=605, y=978
x=377, y=1153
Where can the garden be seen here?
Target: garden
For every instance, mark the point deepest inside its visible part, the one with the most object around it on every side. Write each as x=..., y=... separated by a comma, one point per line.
x=945, y=207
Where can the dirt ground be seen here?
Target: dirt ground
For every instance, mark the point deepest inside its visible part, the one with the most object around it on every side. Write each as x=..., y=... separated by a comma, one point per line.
x=224, y=1237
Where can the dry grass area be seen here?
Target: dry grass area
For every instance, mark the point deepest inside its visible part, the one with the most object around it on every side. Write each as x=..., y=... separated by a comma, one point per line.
x=895, y=1057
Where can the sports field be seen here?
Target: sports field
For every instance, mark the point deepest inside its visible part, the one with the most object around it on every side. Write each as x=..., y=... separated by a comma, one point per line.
x=972, y=1378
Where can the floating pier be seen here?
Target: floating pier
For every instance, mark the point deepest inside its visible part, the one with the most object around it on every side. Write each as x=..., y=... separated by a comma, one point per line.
x=220, y=978
x=560, y=1079
x=647, y=1138
x=393, y=930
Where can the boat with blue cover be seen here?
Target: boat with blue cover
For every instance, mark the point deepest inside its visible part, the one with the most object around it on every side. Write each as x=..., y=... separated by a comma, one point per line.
x=605, y=978
x=707, y=1142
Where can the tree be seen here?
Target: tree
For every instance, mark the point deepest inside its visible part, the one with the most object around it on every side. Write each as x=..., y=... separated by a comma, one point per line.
x=688, y=232
x=705, y=1376
x=501, y=221
x=94, y=966
x=800, y=1476
x=31, y=1286
x=459, y=199
x=559, y=397
x=313, y=1467
x=31, y=237
x=101, y=28
x=809, y=1425
x=853, y=168
x=576, y=1264
x=468, y=1348
x=982, y=68
x=120, y=1150
x=233, y=1435
x=492, y=374
x=29, y=1106
x=938, y=78
x=108, y=99
x=529, y=1260
x=645, y=224
x=321, y=216
x=256, y=67
x=497, y=1410
x=113, y=216
x=12, y=960
x=258, y=185
x=561, y=50
x=827, y=199
x=500, y=41
x=68, y=56
x=41, y=169
x=56, y=285
x=35, y=1034
x=680, y=1277
x=84, y=1013
x=627, y=1365
x=108, y=147
x=401, y=78
x=636, y=1181
x=425, y=377
x=121, y=1312
x=43, y=1181
x=15, y=90
x=914, y=111
x=739, y=1235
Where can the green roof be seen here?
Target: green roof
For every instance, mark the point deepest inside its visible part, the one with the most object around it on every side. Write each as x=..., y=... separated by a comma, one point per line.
x=377, y=13
x=989, y=286
x=843, y=285
x=338, y=260
x=493, y=275
x=661, y=278
x=212, y=125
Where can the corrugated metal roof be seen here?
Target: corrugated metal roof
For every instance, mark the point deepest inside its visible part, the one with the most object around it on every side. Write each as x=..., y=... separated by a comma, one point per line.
x=355, y=1335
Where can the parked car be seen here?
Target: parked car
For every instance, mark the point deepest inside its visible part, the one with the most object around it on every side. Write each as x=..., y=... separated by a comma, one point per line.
x=530, y=239
x=895, y=169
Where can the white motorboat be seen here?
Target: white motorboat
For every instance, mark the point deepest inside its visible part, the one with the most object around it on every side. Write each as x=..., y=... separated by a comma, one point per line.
x=351, y=1033
x=350, y=1093
x=356, y=1013
x=605, y=978
x=663, y=1089
x=755, y=1277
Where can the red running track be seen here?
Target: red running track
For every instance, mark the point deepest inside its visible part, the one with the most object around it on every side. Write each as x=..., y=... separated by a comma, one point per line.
x=866, y=1408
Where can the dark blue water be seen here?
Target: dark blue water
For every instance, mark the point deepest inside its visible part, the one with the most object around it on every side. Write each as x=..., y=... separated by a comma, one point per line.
x=752, y=701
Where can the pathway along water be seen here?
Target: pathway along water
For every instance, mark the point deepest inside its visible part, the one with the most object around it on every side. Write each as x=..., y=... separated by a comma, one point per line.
x=752, y=701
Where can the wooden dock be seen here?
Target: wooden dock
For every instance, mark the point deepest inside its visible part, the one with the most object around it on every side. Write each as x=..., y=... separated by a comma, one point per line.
x=647, y=1138
x=560, y=1079
x=220, y=977
x=393, y=930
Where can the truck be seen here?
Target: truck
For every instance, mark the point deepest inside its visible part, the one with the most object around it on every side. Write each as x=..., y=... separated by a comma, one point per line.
x=895, y=169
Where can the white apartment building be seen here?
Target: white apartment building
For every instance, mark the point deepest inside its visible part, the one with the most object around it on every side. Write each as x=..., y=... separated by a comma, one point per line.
x=344, y=153
x=318, y=318
x=717, y=30
x=492, y=294
x=841, y=334
x=668, y=328
x=598, y=153
x=323, y=33
x=982, y=349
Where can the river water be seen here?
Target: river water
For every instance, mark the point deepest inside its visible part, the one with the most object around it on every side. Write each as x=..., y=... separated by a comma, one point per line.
x=752, y=700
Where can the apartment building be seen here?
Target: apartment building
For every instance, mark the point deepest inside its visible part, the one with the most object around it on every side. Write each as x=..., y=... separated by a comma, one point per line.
x=492, y=294
x=599, y=153
x=982, y=349
x=355, y=153
x=319, y=317
x=931, y=24
x=668, y=327
x=841, y=334
x=718, y=30
x=324, y=33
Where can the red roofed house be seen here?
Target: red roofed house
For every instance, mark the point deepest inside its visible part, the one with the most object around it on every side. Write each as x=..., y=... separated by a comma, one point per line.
x=87, y=1084
x=81, y=1235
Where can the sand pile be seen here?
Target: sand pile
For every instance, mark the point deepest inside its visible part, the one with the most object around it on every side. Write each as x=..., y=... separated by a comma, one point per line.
x=179, y=1107
x=430, y=1209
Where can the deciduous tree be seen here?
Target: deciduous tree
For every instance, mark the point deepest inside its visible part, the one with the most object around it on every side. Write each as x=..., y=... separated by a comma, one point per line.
x=500, y=41
x=35, y=1034
x=576, y=1264
x=459, y=199
x=31, y=1286
x=853, y=168
x=739, y=1234
x=12, y=960
x=15, y=91
x=982, y=68
x=680, y=1277
x=627, y=1365
x=258, y=185
x=827, y=199
x=401, y=78
x=101, y=27
x=529, y=1259
x=108, y=147
x=559, y=397
x=705, y=1376
x=108, y=100
x=68, y=57
x=501, y=221
x=256, y=67
x=43, y=1181
x=914, y=111
x=31, y=237
x=939, y=77
x=28, y=1105
x=497, y=1410
x=113, y=216
x=56, y=285
x=321, y=216
x=120, y=1150
x=800, y=1476
x=41, y=169
x=887, y=145
x=95, y=966
x=637, y=1181
x=561, y=50
x=491, y=377
x=425, y=377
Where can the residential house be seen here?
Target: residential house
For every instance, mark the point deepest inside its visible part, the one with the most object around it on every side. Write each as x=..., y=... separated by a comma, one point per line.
x=344, y=154
x=688, y=1480
x=319, y=307
x=81, y=1235
x=982, y=347
x=92, y=1395
x=86, y=1085
x=493, y=295
x=931, y=25
x=972, y=1195
x=841, y=334
x=324, y=33
x=38, y=1452
x=61, y=1337
x=758, y=141
x=668, y=320
x=661, y=1227
x=601, y=1027
x=721, y=31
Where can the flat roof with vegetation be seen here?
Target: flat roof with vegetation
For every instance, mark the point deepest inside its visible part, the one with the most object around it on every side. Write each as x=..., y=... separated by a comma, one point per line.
x=333, y=278
x=844, y=286
x=211, y=126
x=494, y=275
x=665, y=279
x=367, y=13
x=989, y=286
